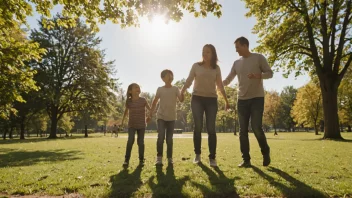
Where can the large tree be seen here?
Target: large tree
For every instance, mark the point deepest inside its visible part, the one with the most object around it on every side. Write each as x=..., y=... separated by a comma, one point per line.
x=73, y=74
x=308, y=35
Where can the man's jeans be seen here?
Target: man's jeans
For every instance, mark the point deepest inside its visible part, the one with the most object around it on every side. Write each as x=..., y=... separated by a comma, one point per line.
x=251, y=109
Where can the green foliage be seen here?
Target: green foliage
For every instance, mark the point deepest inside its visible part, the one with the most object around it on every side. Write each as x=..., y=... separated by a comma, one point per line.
x=73, y=75
x=16, y=76
x=123, y=12
x=288, y=96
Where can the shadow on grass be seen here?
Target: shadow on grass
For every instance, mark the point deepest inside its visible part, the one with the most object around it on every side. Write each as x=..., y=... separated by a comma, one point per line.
x=41, y=139
x=295, y=188
x=167, y=185
x=124, y=184
x=221, y=185
x=11, y=157
x=317, y=139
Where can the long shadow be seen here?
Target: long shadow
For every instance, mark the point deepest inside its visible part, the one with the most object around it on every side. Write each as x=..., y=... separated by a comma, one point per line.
x=222, y=186
x=167, y=185
x=27, y=158
x=40, y=139
x=124, y=184
x=296, y=187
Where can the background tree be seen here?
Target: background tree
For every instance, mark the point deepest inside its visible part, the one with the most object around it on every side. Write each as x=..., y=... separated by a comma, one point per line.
x=345, y=99
x=73, y=73
x=288, y=96
x=272, y=108
x=184, y=108
x=307, y=108
x=308, y=35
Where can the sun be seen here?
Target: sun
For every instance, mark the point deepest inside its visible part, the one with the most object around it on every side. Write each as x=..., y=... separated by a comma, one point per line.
x=157, y=31
x=159, y=25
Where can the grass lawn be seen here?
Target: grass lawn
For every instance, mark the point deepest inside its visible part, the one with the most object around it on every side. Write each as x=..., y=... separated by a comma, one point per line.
x=302, y=166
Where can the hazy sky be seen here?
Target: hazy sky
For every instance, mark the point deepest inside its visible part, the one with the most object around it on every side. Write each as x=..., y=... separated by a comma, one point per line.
x=140, y=54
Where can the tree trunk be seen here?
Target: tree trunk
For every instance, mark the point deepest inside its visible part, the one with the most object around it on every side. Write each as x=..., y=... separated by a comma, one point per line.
x=275, y=132
x=349, y=128
x=5, y=132
x=22, y=131
x=316, y=128
x=331, y=119
x=341, y=127
x=54, y=121
x=85, y=131
x=11, y=131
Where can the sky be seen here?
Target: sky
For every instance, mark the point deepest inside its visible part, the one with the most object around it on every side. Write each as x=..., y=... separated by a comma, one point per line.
x=141, y=53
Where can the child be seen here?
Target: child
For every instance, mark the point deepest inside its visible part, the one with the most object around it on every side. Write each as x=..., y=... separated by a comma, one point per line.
x=135, y=107
x=166, y=115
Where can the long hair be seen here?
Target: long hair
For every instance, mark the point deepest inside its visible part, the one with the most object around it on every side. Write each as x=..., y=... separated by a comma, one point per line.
x=129, y=89
x=214, y=56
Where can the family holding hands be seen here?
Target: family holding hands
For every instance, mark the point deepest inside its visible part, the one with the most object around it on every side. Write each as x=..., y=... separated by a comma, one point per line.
x=250, y=69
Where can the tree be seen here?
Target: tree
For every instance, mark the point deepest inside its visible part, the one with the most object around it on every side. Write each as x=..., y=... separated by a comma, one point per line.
x=308, y=35
x=272, y=108
x=288, y=96
x=38, y=122
x=16, y=77
x=73, y=74
x=307, y=108
x=345, y=99
x=184, y=113
x=228, y=119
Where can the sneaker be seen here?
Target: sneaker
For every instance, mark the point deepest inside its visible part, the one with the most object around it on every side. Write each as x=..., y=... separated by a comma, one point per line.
x=197, y=159
x=245, y=164
x=169, y=160
x=212, y=163
x=159, y=160
x=266, y=160
x=125, y=163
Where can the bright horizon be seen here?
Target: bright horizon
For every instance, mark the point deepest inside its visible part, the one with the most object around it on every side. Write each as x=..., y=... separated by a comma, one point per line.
x=141, y=53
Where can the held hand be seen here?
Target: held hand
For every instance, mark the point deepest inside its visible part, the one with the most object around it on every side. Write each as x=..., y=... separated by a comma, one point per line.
x=254, y=76
x=148, y=119
x=182, y=97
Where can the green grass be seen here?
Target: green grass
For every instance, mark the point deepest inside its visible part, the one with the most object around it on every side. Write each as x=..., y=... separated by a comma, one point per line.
x=302, y=166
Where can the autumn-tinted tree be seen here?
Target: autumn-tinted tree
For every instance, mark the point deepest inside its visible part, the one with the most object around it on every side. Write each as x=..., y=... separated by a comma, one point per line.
x=272, y=108
x=307, y=108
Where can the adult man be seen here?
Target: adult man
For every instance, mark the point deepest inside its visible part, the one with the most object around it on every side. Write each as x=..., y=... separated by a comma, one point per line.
x=250, y=69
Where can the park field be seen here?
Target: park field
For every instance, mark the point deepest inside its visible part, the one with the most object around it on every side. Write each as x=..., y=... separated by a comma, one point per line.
x=302, y=165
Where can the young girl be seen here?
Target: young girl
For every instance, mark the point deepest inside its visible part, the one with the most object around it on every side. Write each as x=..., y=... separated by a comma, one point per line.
x=135, y=107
